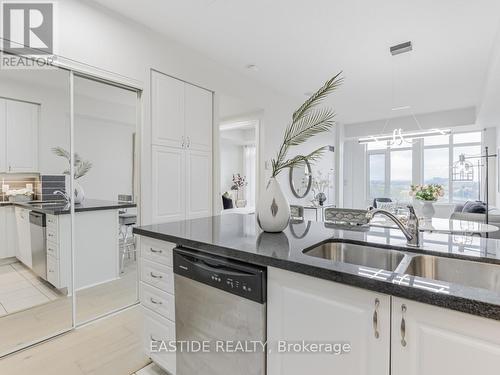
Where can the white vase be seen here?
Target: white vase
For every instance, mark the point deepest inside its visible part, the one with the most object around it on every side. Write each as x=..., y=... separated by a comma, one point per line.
x=428, y=209
x=273, y=210
x=79, y=195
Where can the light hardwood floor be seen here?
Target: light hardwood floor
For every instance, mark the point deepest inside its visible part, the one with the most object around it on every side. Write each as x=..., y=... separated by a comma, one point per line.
x=111, y=346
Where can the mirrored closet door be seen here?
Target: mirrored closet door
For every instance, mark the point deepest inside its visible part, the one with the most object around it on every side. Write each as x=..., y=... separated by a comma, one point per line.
x=105, y=128
x=35, y=221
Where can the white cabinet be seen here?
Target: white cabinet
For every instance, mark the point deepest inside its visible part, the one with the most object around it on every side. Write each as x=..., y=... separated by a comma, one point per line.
x=167, y=110
x=4, y=250
x=318, y=311
x=199, y=184
x=198, y=118
x=21, y=136
x=157, y=298
x=181, y=114
x=182, y=128
x=8, y=232
x=168, y=184
x=24, y=236
x=3, y=134
x=442, y=341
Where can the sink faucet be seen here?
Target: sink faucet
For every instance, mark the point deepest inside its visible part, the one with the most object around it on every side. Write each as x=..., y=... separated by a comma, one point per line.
x=63, y=194
x=411, y=230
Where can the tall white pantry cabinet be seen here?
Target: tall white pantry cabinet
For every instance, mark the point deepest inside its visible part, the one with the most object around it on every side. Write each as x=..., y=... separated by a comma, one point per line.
x=182, y=125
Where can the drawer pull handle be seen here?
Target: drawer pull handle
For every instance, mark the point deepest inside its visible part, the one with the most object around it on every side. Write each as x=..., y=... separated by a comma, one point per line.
x=403, y=326
x=156, y=251
x=154, y=276
x=375, y=319
x=155, y=301
x=153, y=339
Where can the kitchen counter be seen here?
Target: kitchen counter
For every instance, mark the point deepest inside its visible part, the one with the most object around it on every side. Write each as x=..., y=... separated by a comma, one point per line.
x=61, y=208
x=238, y=237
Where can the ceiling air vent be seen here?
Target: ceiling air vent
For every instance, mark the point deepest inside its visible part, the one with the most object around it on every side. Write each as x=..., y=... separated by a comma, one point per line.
x=401, y=48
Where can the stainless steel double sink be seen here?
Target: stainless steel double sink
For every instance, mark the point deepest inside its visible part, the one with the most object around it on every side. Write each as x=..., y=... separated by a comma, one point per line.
x=457, y=271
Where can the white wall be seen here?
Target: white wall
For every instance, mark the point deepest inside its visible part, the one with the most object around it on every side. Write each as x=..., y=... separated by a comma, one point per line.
x=231, y=156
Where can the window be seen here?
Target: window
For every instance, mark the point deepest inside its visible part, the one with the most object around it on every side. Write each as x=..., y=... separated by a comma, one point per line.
x=390, y=170
x=389, y=173
x=401, y=174
x=377, y=175
x=440, y=154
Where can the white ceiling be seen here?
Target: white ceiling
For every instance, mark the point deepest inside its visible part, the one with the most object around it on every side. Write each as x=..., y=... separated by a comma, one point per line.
x=298, y=44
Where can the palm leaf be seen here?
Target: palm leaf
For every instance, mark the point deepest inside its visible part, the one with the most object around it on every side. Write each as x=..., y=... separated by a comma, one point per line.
x=300, y=160
x=307, y=121
x=318, y=96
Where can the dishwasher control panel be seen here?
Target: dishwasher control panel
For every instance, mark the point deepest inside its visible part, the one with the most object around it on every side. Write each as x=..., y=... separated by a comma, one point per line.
x=244, y=280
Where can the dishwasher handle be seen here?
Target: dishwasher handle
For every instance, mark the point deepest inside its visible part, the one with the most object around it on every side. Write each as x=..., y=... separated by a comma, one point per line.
x=242, y=279
x=216, y=268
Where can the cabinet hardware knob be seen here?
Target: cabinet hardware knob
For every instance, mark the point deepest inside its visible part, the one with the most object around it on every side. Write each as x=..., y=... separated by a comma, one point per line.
x=188, y=142
x=155, y=251
x=156, y=276
x=183, y=142
x=403, y=326
x=375, y=319
x=155, y=301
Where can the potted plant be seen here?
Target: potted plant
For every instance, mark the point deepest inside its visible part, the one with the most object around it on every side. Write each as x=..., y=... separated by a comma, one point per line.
x=427, y=194
x=81, y=168
x=319, y=186
x=273, y=210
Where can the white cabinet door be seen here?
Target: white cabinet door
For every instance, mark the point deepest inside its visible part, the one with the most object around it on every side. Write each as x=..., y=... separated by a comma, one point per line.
x=303, y=308
x=24, y=236
x=11, y=232
x=168, y=184
x=199, y=118
x=3, y=140
x=442, y=341
x=3, y=233
x=22, y=136
x=199, y=184
x=167, y=110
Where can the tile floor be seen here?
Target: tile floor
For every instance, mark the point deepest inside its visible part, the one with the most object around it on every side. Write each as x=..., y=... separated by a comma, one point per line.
x=151, y=369
x=21, y=289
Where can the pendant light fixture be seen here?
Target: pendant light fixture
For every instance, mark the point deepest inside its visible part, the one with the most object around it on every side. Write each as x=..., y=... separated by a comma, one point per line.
x=398, y=137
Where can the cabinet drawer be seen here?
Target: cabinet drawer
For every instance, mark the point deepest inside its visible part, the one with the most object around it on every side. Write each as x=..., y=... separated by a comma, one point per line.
x=157, y=251
x=158, y=275
x=52, y=235
x=52, y=223
x=157, y=329
x=160, y=302
x=52, y=249
x=53, y=271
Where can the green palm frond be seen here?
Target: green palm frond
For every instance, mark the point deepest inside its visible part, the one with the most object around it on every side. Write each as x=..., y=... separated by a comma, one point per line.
x=307, y=121
x=300, y=160
x=318, y=96
x=81, y=166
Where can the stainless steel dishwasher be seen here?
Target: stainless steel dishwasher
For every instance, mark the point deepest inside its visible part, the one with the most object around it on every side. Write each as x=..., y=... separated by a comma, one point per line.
x=219, y=303
x=38, y=243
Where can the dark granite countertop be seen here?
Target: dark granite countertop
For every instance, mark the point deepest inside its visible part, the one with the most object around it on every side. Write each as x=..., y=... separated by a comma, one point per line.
x=61, y=208
x=238, y=237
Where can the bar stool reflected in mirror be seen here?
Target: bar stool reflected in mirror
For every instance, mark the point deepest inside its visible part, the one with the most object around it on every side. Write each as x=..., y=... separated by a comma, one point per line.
x=127, y=239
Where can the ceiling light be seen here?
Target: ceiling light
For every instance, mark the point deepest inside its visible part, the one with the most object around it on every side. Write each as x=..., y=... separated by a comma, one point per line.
x=398, y=136
x=253, y=67
x=401, y=48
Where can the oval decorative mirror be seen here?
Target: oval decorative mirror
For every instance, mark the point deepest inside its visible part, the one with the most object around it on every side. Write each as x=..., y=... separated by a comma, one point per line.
x=301, y=180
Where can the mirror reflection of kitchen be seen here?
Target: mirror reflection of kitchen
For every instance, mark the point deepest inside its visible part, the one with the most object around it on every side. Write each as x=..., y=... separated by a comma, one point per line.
x=105, y=257
x=35, y=271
